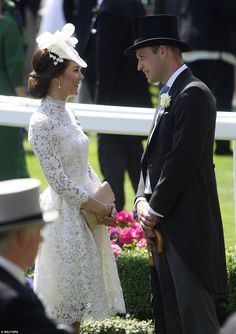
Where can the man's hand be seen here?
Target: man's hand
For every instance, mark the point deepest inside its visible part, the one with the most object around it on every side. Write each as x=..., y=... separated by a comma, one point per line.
x=147, y=220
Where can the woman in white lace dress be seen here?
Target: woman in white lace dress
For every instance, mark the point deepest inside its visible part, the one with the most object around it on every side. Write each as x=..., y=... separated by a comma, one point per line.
x=75, y=272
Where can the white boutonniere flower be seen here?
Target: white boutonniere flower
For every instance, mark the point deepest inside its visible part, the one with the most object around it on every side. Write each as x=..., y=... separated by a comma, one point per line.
x=165, y=100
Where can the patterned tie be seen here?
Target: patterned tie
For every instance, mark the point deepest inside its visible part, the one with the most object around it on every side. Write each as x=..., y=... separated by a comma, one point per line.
x=163, y=90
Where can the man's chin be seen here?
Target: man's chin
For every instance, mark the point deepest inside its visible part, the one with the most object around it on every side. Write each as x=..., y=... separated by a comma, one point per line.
x=152, y=82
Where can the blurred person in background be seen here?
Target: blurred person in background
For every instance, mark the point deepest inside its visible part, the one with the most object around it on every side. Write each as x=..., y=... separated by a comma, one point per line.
x=12, y=155
x=119, y=83
x=21, y=225
x=113, y=79
x=210, y=28
x=52, y=16
x=29, y=10
x=85, y=15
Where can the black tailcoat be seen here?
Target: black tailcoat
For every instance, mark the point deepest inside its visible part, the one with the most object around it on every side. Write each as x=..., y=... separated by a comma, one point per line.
x=22, y=311
x=179, y=157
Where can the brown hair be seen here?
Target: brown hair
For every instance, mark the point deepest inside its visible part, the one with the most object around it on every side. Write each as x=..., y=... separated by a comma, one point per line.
x=155, y=48
x=175, y=49
x=43, y=71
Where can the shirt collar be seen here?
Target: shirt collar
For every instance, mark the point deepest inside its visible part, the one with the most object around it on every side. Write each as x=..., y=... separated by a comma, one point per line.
x=13, y=269
x=175, y=75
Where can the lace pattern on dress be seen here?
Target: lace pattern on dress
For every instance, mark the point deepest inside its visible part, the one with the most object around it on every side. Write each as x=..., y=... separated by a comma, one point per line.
x=75, y=272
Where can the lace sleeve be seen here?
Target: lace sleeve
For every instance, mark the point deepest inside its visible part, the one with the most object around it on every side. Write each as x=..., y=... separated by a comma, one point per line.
x=45, y=144
x=93, y=176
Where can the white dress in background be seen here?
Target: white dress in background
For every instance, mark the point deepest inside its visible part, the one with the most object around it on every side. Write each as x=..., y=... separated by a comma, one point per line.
x=75, y=272
x=52, y=16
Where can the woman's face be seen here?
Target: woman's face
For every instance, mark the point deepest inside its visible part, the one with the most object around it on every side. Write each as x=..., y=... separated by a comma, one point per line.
x=70, y=79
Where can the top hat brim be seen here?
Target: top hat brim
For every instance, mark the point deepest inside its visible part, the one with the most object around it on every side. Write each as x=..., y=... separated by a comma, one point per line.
x=20, y=204
x=184, y=47
x=45, y=218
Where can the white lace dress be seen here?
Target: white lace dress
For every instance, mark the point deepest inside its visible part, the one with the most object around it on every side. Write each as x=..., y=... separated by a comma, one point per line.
x=75, y=272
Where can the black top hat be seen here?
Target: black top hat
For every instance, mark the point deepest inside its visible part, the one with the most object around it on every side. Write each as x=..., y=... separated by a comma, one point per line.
x=156, y=30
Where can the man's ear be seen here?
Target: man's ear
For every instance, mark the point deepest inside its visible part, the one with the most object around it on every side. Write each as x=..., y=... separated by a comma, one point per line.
x=163, y=49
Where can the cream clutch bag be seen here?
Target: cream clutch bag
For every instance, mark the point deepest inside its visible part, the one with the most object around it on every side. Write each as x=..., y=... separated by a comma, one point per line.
x=104, y=194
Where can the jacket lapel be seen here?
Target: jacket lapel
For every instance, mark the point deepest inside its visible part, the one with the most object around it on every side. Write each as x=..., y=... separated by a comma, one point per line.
x=153, y=124
x=176, y=88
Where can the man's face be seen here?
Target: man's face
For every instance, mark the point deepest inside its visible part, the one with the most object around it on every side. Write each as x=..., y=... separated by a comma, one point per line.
x=151, y=63
x=34, y=237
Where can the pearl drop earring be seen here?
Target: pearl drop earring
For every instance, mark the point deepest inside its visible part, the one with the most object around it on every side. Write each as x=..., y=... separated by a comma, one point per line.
x=59, y=85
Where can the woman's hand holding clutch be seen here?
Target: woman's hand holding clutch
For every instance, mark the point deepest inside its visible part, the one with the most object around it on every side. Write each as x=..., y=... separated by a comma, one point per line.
x=107, y=217
x=100, y=208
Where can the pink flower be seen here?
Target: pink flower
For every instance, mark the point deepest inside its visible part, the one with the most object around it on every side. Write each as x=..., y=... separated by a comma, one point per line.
x=116, y=249
x=126, y=231
x=113, y=232
x=134, y=224
x=113, y=225
x=123, y=218
x=137, y=233
x=142, y=243
x=127, y=236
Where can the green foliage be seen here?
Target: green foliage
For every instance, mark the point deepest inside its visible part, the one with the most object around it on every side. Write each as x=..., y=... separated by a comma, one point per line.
x=231, y=271
x=133, y=268
x=227, y=304
x=225, y=182
x=118, y=325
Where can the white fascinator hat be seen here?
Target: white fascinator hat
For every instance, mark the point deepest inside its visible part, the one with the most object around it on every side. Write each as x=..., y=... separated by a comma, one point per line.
x=20, y=206
x=62, y=44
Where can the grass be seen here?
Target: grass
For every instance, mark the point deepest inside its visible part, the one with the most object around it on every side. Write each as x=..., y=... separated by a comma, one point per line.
x=224, y=175
x=225, y=184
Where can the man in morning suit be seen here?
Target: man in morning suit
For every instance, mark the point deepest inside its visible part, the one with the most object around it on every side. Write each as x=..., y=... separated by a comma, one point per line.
x=21, y=223
x=177, y=192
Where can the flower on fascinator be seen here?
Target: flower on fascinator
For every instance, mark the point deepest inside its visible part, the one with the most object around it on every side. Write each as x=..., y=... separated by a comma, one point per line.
x=62, y=44
x=165, y=100
x=56, y=59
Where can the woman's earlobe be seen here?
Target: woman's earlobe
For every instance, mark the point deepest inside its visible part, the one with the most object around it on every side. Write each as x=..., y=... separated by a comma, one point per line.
x=59, y=83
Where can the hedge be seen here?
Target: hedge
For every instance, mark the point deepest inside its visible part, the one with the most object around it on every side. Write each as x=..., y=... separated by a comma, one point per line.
x=231, y=271
x=118, y=326
x=133, y=268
